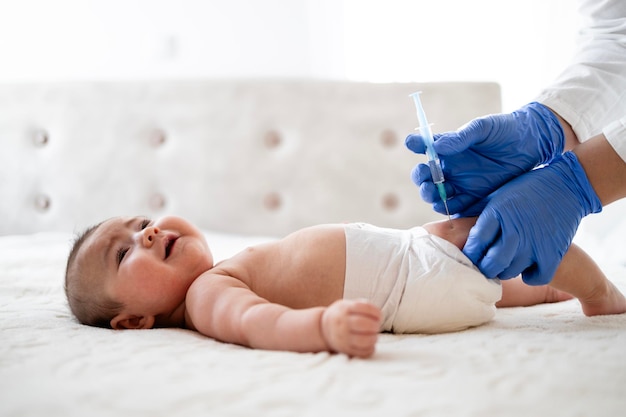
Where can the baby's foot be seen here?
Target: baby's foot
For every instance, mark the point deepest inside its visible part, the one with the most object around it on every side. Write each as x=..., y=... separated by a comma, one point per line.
x=606, y=299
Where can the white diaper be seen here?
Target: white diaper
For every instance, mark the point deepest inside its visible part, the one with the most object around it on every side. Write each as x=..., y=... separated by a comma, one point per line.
x=422, y=283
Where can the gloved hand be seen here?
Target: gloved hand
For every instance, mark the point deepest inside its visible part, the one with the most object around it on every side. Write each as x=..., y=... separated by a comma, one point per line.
x=486, y=153
x=529, y=223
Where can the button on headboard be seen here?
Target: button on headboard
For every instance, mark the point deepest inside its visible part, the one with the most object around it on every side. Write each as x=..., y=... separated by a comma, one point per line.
x=254, y=157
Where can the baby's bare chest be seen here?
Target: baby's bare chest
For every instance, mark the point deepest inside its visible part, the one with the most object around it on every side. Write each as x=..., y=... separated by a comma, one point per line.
x=299, y=271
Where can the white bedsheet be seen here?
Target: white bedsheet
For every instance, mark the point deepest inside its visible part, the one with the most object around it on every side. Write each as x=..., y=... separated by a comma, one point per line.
x=547, y=360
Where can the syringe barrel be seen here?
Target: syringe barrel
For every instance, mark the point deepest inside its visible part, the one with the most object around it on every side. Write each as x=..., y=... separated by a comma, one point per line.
x=436, y=171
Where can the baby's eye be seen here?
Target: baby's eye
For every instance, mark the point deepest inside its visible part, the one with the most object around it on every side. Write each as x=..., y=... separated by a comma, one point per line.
x=144, y=223
x=120, y=255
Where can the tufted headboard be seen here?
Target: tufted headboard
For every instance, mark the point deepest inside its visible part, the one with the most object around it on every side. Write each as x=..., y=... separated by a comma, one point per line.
x=241, y=156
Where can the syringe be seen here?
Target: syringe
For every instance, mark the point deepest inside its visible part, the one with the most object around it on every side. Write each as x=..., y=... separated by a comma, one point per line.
x=433, y=159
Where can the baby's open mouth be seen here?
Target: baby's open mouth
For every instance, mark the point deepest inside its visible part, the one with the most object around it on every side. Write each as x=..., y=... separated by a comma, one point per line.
x=168, y=246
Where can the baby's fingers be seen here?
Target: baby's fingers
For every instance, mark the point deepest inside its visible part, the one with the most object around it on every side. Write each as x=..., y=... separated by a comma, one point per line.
x=365, y=309
x=363, y=324
x=362, y=346
x=352, y=327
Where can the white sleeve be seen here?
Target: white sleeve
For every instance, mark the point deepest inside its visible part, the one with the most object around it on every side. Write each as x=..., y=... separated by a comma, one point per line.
x=591, y=92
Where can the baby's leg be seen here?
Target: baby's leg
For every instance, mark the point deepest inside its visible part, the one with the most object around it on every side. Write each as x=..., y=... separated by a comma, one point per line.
x=577, y=275
x=580, y=276
x=515, y=293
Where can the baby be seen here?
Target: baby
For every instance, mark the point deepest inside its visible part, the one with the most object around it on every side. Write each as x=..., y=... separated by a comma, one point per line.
x=322, y=288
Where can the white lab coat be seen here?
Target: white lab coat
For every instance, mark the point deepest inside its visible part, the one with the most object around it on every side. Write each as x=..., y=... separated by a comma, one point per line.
x=591, y=93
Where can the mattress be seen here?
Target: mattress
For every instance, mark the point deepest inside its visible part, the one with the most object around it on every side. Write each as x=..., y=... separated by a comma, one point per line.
x=542, y=360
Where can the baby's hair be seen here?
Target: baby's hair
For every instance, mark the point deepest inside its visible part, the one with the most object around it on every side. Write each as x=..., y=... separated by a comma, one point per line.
x=84, y=293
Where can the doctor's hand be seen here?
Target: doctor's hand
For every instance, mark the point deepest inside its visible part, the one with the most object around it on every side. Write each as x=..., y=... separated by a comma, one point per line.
x=486, y=153
x=528, y=224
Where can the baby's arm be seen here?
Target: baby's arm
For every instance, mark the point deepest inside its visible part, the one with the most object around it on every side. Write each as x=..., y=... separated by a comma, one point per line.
x=224, y=308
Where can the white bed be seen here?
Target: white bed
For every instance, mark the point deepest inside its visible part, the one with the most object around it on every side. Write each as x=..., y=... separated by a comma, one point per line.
x=249, y=161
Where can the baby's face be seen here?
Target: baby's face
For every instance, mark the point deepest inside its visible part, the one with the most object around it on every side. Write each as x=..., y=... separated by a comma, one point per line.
x=148, y=265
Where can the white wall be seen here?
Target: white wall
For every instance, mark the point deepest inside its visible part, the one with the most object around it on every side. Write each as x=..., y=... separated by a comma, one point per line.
x=522, y=45
x=91, y=39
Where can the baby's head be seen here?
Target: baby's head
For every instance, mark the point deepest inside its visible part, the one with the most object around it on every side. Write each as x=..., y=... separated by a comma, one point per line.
x=131, y=272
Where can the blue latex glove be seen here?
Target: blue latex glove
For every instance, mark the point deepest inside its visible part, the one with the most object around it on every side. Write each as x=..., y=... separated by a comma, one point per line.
x=528, y=224
x=486, y=153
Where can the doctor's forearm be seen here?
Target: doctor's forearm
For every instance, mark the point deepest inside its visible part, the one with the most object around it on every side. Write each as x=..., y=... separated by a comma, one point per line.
x=605, y=169
x=570, y=137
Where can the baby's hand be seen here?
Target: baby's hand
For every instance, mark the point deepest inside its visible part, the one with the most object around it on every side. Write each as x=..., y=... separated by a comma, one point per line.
x=351, y=327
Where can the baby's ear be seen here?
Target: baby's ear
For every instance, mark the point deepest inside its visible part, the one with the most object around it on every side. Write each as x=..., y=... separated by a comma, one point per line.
x=130, y=321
